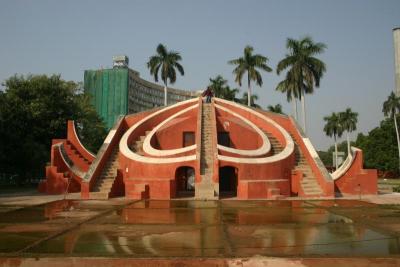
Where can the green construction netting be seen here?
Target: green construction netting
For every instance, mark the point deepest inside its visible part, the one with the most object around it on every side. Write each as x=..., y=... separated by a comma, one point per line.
x=109, y=90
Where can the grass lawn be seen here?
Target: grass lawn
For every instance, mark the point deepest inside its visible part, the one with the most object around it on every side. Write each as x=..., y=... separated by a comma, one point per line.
x=17, y=190
x=389, y=181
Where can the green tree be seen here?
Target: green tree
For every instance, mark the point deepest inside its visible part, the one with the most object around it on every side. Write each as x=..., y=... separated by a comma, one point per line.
x=305, y=70
x=230, y=93
x=167, y=62
x=217, y=85
x=33, y=111
x=333, y=128
x=221, y=89
x=277, y=108
x=253, y=100
x=250, y=63
x=348, y=121
x=390, y=108
x=379, y=147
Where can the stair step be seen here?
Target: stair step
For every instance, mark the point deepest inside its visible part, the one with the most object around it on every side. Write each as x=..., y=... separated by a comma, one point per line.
x=98, y=195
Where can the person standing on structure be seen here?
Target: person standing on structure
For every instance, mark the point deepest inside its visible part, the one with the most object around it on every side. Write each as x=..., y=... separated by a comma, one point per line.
x=209, y=94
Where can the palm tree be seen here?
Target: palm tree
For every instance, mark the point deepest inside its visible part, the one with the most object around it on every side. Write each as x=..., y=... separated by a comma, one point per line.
x=250, y=63
x=167, y=61
x=289, y=87
x=277, y=108
x=230, y=93
x=253, y=100
x=305, y=70
x=221, y=89
x=390, y=107
x=348, y=121
x=333, y=128
x=217, y=85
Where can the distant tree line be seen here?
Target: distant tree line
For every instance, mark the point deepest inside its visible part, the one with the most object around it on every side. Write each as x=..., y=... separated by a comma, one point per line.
x=303, y=69
x=381, y=146
x=34, y=109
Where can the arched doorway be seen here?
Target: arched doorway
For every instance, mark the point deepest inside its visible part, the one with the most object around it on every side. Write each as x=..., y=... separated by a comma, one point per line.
x=184, y=178
x=228, y=181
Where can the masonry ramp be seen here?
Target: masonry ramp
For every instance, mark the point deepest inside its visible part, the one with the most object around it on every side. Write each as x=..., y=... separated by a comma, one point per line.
x=205, y=190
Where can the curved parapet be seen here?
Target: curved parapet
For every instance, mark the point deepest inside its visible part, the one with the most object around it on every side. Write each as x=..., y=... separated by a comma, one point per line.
x=152, y=155
x=352, y=179
x=69, y=159
x=261, y=151
x=266, y=146
x=346, y=164
x=73, y=138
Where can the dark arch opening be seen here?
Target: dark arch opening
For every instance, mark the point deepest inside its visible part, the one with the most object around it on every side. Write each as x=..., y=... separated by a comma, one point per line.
x=184, y=181
x=228, y=182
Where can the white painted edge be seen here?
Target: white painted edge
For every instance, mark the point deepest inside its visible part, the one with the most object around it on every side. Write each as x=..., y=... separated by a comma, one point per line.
x=310, y=147
x=147, y=147
x=79, y=141
x=286, y=152
x=125, y=150
x=346, y=164
x=265, y=147
x=109, y=137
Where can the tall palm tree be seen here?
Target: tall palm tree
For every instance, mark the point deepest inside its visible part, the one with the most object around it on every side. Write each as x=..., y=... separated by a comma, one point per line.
x=348, y=121
x=277, y=108
x=167, y=61
x=333, y=128
x=305, y=70
x=390, y=108
x=250, y=63
x=289, y=86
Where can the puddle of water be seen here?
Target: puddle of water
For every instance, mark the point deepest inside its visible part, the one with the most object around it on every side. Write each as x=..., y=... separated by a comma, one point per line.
x=170, y=241
x=240, y=204
x=14, y=241
x=344, y=240
x=341, y=203
x=161, y=216
x=173, y=204
x=183, y=228
x=281, y=216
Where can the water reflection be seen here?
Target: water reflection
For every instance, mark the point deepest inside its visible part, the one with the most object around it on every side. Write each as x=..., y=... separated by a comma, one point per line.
x=226, y=228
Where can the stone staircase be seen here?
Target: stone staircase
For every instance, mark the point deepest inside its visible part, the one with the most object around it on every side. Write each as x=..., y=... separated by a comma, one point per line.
x=276, y=147
x=104, y=183
x=138, y=145
x=309, y=182
x=205, y=189
x=74, y=154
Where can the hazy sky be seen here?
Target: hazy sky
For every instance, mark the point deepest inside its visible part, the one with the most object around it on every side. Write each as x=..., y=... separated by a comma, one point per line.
x=67, y=37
